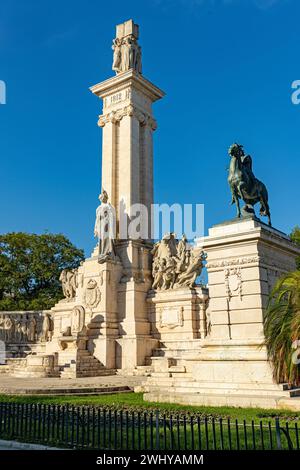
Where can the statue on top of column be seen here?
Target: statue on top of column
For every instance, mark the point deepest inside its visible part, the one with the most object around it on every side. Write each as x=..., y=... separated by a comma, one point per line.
x=127, y=52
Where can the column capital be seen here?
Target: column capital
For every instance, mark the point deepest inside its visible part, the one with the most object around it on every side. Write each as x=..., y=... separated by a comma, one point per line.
x=131, y=111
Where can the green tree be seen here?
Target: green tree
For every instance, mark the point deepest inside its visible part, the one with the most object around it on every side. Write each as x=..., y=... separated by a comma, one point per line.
x=295, y=236
x=282, y=328
x=30, y=266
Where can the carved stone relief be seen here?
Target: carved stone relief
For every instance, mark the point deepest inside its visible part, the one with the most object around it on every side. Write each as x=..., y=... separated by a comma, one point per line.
x=233, y=282
x=24, y=327
x=77, y=319
x=92, y=294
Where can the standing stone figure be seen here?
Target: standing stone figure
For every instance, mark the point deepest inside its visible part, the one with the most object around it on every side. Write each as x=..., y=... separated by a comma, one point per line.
x=18, y=332
x=32, y=329
x=117, y=58
x=182, y=254
x=138, y=59
x=9, y=329
x=63, y=280
x=105, y=228
x=126, y=54
x=2, y=328
x=158, y=269
x=46, y=328
x=24, y=330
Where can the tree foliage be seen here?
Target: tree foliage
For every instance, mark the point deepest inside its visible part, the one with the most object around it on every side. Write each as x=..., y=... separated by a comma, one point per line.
x=30, y=266
x=282, y=328
x=295, y=236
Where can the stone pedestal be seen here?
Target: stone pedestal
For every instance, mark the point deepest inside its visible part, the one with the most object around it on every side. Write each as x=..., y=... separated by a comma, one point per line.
x=244, y=260
x=41, y=365
x=135, y=343
x=178, y=314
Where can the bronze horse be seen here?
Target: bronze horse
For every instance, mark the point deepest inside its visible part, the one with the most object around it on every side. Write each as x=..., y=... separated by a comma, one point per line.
x=245, y=186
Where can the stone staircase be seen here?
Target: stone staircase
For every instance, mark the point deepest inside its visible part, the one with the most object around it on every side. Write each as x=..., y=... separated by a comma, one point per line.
x=170, y=381
x=178, y=349
x=84, y=365
x=183, y=388
x=169, y=358
x=168, y=355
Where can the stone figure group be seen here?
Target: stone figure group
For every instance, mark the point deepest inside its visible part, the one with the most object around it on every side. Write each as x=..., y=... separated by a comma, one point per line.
x=69, y=283
x=175, y=264
x=127, y=54
x=23, y=328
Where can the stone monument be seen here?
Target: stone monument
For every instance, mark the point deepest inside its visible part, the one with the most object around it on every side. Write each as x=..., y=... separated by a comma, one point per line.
x=136, y=307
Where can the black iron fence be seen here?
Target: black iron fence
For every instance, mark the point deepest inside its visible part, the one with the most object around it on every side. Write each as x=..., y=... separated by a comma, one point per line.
x=87, y=427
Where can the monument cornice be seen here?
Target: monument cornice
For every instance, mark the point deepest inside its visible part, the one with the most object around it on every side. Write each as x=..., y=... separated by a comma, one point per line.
x=260, y=234
x=125, y=79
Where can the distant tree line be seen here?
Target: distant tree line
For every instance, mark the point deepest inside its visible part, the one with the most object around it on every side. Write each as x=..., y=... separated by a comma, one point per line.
x=30, y=267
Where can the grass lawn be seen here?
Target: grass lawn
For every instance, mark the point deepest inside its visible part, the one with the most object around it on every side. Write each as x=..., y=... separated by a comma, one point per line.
x=134, y=401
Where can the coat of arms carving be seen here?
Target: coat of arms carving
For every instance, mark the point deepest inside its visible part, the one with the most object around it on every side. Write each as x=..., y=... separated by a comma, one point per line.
x=92, y=294
x=233, y=282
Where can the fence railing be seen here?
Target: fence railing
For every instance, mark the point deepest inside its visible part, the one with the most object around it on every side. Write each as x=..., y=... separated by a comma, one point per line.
x=88, y=427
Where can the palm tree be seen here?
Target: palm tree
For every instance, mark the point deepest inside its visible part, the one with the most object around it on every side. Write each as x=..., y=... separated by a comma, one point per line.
x=282, y=328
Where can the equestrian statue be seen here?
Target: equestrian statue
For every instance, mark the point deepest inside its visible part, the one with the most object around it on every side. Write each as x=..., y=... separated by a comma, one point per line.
x=245, y=186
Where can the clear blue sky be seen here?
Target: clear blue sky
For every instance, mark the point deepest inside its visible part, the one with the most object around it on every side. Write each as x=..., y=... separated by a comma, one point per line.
x=226, y=66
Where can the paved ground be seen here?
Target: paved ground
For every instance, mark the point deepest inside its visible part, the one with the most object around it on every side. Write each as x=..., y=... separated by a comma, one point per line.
x=13, y=445
x=92, y=385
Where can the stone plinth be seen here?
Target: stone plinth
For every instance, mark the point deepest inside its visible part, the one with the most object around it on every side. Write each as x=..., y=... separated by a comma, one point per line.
x=244, y=260
x=135, y=342
x=41, y=365
x=178, y=314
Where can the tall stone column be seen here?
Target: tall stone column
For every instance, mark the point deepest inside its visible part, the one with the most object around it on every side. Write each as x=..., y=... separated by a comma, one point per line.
x=127, y=151
x=127, y=124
